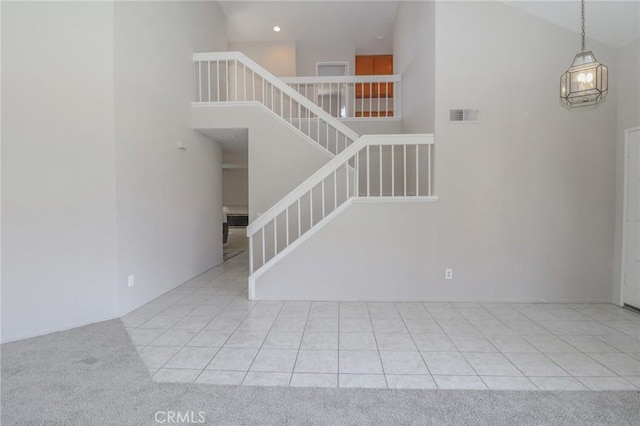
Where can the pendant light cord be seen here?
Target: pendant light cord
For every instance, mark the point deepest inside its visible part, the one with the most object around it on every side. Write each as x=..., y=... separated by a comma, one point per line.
x=583, y=44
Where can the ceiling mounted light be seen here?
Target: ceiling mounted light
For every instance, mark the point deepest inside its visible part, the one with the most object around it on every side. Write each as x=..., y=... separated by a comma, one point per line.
x=586, y=82
x=276, y=29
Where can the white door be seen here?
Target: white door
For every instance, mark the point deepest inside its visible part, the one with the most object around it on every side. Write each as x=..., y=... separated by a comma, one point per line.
x=332, y=96
x=631, y=287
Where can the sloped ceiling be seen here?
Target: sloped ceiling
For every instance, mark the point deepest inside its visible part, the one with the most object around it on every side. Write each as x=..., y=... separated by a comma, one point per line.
x=615, y=23
x=368, y=25
x=365, y=25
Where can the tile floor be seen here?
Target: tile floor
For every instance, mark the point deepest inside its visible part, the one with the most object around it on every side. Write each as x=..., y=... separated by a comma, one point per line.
x=206, y=331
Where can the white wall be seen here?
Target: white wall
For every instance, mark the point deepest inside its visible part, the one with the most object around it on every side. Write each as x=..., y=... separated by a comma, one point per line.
x=414, y=43
x=58, y=176
x=628, y=82
x=526, y=196
x=306, y=58
x=391, y=257
x=277, y=57
x=235, y=187
x=279, y=158
x=536, y=181
x=169, y=201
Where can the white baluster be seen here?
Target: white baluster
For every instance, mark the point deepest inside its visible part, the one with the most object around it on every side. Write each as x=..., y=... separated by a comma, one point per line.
x=324, y=211
x=286, y=219
x=299, y=220
x=264, y=250
x=311, y=208
x=417, y=170
x=226, y=70
x=275, y=235
x=236, y=84
x=199, y=81
x=370, y=99
x=404, y=151
x=429, y=193
x=393, y=171
x=251, y=254
x=379, y=115
x=380, y=170
x=368, y=173
x=209, y=80
x=346, y=170
x=335, y=189
x=357, y=173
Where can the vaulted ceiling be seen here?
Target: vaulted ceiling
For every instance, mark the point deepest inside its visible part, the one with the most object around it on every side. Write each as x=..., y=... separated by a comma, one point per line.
x=368, y=25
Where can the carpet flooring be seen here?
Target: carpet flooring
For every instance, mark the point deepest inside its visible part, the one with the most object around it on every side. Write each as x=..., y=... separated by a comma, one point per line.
x=93, y=376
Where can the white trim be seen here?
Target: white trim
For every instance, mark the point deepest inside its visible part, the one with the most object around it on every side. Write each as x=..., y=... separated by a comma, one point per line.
x=332, y=63
x=251, y=288
x=61, y=328
x=350, y=79
x=625, y=212
x=435, y=299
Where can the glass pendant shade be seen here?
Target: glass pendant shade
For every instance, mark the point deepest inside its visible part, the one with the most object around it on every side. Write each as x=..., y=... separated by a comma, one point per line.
x=585, y=82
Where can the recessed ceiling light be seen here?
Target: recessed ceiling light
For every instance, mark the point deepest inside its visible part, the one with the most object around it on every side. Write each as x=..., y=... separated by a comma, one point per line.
x=276, y=29
x=379, y=37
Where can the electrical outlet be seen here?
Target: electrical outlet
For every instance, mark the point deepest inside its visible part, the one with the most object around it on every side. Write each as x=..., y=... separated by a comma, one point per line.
x=448, y=274
x=131, y=280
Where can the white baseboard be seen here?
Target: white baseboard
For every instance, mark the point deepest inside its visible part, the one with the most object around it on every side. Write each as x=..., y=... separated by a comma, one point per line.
x=57, y=329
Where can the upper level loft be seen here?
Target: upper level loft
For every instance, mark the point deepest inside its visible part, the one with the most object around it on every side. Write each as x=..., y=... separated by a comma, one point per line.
x=373, y=94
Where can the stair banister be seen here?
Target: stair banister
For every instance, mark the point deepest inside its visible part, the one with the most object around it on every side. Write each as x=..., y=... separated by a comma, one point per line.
x=347, y=163
x=276, y=82
x=309, y=183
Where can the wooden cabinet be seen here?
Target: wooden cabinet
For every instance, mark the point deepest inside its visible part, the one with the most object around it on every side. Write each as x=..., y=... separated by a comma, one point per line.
x=374, y=65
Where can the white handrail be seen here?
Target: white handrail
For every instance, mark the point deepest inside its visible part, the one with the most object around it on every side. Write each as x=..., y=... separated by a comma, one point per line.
x=278, y=83
x=338, y=160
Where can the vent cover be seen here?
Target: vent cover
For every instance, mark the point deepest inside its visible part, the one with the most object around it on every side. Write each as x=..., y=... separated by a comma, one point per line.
x=463, y=114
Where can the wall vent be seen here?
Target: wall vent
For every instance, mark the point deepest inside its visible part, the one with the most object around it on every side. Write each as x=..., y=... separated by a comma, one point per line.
x=463, y=114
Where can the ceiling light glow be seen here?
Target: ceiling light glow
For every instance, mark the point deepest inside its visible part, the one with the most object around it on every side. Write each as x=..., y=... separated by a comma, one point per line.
x=276, y=29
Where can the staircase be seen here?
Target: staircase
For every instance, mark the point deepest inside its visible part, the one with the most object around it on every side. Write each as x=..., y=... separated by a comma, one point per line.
x=371, y=168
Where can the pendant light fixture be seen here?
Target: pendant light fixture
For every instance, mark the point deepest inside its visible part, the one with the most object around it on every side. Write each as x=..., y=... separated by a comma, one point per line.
x=586, y=81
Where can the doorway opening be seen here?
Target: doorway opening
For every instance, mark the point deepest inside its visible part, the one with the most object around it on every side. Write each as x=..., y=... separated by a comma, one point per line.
x=332, y=97
x=235, y=190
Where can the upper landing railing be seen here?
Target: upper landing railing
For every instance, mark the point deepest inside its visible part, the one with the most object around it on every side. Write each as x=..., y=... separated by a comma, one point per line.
x=231, y=77
x=352, y=97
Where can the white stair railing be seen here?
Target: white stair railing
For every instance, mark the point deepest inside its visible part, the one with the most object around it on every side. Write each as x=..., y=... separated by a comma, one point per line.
x=370, y=96
x=232, y=77
x=375, y=167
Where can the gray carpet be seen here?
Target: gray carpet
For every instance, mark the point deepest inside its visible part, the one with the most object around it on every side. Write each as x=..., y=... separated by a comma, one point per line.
x=93, y=376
